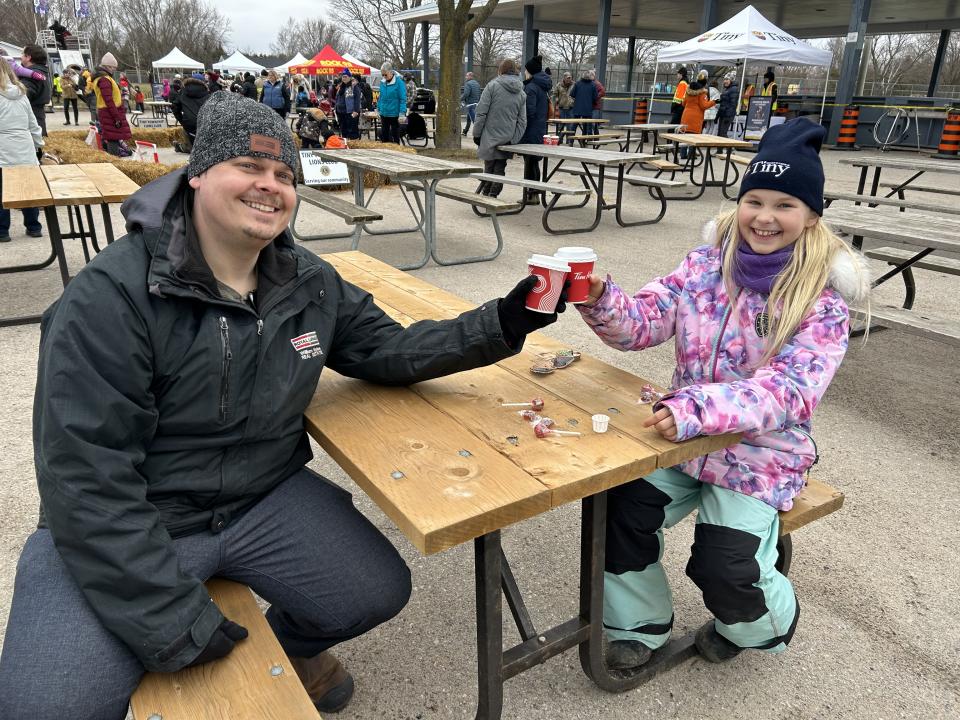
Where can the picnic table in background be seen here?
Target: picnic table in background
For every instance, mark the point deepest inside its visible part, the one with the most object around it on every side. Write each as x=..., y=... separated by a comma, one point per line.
x=76, y=187
x=917, y=166
x=592, y=172
x=644, y=129
x=407, y=168
x=567, y=127
x=449, y=465
x=707, y=144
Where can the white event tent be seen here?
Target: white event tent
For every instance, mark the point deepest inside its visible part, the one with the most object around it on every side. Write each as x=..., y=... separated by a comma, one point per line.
x=176, y=59
x=297, y=59
x=238, y=62
x=748, y=35
x=375, y=73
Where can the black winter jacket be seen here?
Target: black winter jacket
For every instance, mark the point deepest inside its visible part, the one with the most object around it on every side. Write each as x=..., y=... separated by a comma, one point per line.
x=163, y=410
x=38, y=91
x=186, y=105
x=537, y=89
x=728, y=101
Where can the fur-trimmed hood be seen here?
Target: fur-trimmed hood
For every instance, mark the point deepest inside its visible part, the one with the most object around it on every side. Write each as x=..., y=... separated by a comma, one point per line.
x=849, y=273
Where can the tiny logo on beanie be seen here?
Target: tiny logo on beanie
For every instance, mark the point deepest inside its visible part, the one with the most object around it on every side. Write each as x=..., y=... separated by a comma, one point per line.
x=768, y=166
x=264, y=144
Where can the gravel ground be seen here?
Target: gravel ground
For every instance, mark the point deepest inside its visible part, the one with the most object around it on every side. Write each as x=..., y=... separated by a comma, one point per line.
x=878, y=581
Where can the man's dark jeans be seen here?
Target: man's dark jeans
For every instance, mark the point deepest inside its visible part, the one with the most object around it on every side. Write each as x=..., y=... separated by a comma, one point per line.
x=326, y=570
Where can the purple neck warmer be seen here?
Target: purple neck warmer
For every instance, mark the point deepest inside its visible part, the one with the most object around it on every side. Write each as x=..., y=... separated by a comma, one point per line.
x=759, y=272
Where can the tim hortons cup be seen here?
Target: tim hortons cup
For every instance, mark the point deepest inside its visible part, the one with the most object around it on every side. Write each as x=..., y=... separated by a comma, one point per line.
x=581, y=261
x=551, y=139
x=551, y=273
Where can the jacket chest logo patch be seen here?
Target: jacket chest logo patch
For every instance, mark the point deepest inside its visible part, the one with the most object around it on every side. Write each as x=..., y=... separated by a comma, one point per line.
x=762, y=324
x=308, y=345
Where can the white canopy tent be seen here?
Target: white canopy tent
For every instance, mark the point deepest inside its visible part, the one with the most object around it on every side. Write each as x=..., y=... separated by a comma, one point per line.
x=748, y=35
x=176, y=59
x=238, y=62
x=297, y=59
x=375, y=73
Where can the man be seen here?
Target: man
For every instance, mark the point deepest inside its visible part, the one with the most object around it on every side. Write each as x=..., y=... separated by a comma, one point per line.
x=770, y=88
x=169, y=440
x=349, y=105
x=679, y=93
x=470, y=97
x=38, y=91
x=585, y=96
x=367, y=91
x=110, y=111
x=598, y=103
x=186, y=109
x=561, y=96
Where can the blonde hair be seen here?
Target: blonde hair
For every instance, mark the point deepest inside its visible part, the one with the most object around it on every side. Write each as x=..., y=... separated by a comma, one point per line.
x=8, y=78
x=799, y=284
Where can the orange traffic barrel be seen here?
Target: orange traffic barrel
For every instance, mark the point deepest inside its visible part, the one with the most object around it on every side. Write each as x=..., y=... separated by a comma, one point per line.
x=949, y=148
x=640, y=114
x=847, y=137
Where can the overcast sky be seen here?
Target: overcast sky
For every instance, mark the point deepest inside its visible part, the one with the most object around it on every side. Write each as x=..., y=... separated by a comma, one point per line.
x=254, y=23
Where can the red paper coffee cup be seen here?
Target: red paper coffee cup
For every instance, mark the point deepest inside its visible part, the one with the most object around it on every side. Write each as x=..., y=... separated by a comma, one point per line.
x=581, y=261
x=551, y=273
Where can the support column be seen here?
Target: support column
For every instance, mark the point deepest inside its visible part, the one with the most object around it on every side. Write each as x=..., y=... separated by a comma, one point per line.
x=425, y=51
x=536, y=43
x=631, y=61
x=938, y=63
x=708, y=15
x=468, y=64
x=850, y=65
x=603, y=39
x=529, y=41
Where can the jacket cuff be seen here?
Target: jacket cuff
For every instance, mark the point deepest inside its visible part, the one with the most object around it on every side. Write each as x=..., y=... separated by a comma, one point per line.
x=185, y=648
x=686, y=414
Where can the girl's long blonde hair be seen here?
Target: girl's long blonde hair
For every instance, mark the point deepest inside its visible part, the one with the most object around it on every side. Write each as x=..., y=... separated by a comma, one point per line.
x=8, y=78
x=799, y=284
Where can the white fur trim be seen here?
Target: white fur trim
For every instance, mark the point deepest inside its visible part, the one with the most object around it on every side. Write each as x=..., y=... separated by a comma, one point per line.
x=850, y=276
x=709, y=233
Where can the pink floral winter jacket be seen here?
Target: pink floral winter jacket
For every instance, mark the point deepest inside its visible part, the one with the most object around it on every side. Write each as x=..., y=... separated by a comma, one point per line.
x=715, y=388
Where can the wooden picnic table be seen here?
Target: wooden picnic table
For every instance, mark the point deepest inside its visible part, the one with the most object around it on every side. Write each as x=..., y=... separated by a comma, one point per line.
x=706, y=143
x=918, y=166
x=448, y=465
x=926, y=233
x=401, y=166
x=644, y=129
x=594, y=164
x=567, y=127
x=76, y=187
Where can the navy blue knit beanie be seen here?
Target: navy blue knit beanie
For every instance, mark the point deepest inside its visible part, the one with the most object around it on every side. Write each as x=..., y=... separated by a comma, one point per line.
x=788, y=161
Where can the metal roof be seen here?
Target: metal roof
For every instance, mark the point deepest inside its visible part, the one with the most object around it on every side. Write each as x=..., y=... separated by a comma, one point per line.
x=680, y=19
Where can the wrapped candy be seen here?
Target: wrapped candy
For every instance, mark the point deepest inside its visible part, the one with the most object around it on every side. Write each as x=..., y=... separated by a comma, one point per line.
x=530, y=416
x=649, y=395
x=545, y=428
x=536, y=404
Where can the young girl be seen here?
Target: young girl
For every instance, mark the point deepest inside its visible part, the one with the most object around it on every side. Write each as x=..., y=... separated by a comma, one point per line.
x=760, y=326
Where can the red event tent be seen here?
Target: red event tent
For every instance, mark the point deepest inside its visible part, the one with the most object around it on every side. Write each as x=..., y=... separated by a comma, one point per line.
x=327, y=62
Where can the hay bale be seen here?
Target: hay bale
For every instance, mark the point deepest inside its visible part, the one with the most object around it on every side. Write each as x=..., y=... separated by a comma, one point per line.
x=161, y=137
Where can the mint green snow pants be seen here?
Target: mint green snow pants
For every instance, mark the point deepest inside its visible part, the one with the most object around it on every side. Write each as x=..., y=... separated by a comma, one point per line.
x=732, y=561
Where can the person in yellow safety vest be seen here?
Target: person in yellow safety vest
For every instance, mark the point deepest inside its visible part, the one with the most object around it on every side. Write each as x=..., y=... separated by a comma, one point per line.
x=676, y=108
x=748, y=93
x=770, y=88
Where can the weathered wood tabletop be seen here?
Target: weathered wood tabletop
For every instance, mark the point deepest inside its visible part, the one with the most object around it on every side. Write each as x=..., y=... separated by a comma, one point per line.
x=85, y=184
x=915, y=164
x=398, y=164
x=447, y=463
x=605, y=158
x=704, y=140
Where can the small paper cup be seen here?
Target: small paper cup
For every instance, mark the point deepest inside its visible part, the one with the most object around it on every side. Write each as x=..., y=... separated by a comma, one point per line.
x=581, y=261
x=550, y=272
x=600, y=423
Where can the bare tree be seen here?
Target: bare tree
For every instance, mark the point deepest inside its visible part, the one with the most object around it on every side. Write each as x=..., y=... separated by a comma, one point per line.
x=892, y=57
x=490, y=45
x=379, y=37
x=309, y=36
x=458, y=21
x=569, y=52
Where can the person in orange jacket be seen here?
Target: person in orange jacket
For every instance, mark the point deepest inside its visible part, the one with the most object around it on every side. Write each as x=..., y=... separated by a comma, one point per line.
x=695, y=102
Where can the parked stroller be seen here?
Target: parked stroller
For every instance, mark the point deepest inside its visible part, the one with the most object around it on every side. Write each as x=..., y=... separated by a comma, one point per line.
x=424, y=101
x=416, y=130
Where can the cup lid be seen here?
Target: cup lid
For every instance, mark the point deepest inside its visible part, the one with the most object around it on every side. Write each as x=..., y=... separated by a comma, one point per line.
x=550, y=262
x=575, y=253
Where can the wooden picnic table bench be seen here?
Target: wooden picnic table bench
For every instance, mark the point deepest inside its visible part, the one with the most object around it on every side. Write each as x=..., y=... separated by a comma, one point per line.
x=536, y=186
x=449, y=466
x=707, y=144
x=830, y=195
x=900, y=188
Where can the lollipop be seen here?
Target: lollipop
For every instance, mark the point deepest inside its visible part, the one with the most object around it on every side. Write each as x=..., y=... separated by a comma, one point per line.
x=530, y=416
x=536, y=404
x=646, y=394
x=544, y=429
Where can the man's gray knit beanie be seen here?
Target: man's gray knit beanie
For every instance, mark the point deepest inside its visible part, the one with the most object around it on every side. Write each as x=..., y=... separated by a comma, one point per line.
x=230, y=125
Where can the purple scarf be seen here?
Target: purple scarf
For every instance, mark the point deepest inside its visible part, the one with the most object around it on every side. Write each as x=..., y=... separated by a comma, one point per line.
x=759, y=272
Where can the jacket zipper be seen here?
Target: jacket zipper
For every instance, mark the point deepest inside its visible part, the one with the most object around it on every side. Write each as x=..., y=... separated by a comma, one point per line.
x=225, y=367
x=714, y=358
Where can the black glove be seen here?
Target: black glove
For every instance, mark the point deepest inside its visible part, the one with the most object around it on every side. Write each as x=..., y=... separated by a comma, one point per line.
x=476, y=141
x=39, y=153
x=516, y=321
x=117, y=124
x=220, y=643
